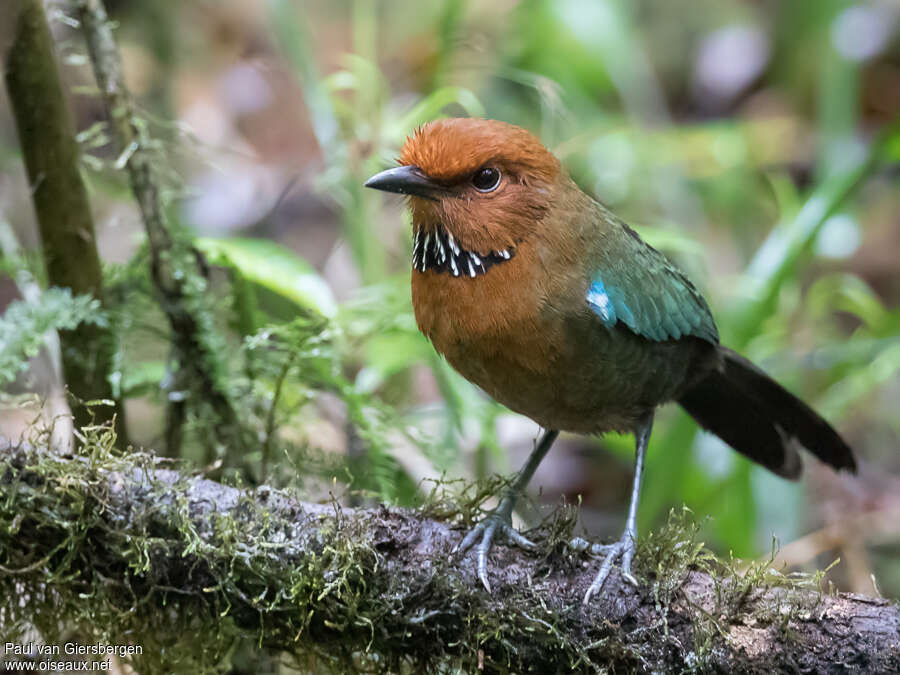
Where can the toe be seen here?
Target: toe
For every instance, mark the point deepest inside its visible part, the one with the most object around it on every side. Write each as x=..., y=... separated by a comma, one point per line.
x=605, y=569
x=469, y=539
x=486, y=530
x=483, y=550
x=518, y=539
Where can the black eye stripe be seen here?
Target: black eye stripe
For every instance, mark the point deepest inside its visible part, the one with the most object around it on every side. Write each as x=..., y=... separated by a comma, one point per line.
x=486, y=179
x=440, y=252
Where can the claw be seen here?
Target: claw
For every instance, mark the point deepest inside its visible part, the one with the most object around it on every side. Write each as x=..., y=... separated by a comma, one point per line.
x=623, y=548
x=499, y=519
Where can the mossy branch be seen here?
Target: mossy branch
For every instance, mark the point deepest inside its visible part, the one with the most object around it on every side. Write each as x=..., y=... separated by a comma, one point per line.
x=177, y=269
x=185, y=567
x=60, y=199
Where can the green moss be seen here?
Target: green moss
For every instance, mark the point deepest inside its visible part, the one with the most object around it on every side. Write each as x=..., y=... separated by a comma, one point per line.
x=203, y=594
x=741, y=589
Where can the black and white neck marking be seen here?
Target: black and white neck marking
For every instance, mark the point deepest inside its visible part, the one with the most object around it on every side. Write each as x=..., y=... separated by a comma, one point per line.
x=440, y=252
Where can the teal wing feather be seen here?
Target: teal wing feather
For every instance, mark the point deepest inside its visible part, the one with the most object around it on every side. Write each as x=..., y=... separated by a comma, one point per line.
x=638, y=287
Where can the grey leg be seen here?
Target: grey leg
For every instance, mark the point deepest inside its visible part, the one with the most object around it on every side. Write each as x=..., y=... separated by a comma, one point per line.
x=501, y=517
x=625, y=547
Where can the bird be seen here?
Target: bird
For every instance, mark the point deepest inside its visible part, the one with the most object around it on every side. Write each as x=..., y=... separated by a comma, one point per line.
x=542, y=297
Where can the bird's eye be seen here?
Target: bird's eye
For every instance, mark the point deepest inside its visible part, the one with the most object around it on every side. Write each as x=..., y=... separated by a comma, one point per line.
x=486, y=179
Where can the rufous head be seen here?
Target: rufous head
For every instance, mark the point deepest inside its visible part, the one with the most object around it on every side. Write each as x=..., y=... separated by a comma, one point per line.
x=486, y=183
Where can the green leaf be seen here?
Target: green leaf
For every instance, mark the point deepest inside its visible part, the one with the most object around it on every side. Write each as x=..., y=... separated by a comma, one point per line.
x=24, y=325
x=273, y=267
x=847, y=293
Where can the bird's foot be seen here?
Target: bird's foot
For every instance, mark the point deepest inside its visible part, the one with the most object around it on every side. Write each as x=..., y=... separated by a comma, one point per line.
x=499, y=520
x=624, y=549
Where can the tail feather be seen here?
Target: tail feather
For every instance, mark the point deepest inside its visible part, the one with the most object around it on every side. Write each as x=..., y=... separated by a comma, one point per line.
x=758, y=417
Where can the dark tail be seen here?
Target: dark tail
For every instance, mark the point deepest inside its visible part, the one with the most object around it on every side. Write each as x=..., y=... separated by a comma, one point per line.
x=758, y=417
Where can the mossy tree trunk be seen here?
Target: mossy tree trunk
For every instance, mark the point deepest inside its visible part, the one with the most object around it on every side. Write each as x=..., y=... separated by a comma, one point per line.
x=189, y=568
x=60, y=200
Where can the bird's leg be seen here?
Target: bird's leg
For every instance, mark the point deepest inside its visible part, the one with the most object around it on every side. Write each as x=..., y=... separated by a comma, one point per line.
x=626, y=545
x=501, y=517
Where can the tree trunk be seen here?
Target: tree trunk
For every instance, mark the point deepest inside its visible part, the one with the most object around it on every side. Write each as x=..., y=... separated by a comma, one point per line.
x=61, y=204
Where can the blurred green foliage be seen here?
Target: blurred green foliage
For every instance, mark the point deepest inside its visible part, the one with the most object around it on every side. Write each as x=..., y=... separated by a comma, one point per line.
x=25, y=325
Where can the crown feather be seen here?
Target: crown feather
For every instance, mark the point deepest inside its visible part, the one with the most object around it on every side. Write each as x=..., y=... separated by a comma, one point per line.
x=452, y=149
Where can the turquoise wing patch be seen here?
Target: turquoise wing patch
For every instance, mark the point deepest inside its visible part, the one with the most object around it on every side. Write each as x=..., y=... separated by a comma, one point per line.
x=667, y=307
x=609, y=305
x=600, y=302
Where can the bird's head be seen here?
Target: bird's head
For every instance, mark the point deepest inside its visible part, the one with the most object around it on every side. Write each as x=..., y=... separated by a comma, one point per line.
x=474, y=185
